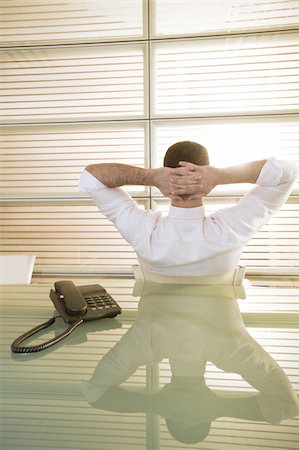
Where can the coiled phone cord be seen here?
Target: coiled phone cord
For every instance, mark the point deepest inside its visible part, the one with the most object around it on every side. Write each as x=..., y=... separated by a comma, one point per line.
x=16, y=348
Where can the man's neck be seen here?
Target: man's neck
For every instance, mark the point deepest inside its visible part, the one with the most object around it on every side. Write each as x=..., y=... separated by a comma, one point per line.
x=187, y=203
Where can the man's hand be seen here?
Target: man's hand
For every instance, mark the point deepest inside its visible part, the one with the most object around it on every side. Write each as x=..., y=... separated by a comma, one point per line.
x=192, y=180
x=160, y=178
x=180, y=182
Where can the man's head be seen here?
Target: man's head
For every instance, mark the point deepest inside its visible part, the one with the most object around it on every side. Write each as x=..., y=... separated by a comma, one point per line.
x=186, y=151
x=188, y=435
x=191, y=152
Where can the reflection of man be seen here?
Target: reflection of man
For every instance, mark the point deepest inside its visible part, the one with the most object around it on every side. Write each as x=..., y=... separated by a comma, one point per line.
x=190, y=325
x=187, y=404
x=187, y=242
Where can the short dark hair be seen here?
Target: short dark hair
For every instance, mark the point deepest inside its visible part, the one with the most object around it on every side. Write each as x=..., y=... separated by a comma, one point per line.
x=186, y=151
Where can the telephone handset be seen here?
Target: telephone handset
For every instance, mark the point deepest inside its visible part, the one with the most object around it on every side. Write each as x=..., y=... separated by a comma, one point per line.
x=68, y=300
x=75, y=305
x=86, y=302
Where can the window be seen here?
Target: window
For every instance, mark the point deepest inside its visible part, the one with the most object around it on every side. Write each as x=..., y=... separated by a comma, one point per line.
x=121, y=81
x=219, y=77
x=177, y=18
x=71, y=84
x=55, y=22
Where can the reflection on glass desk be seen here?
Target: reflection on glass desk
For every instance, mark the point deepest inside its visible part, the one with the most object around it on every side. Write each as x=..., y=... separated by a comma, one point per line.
x=181, y=372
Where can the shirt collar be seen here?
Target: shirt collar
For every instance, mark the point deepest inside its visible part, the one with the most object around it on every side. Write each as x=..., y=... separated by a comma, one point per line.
x=187, y=213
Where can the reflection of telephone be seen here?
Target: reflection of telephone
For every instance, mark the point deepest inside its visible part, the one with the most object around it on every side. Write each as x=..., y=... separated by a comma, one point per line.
x=75, y=305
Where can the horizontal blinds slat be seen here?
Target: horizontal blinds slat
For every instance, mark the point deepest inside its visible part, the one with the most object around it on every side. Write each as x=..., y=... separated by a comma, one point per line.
x=190, y=17
x=53, y=234
x=274, y=300
x=50, y=158
x=276, y=245
x=231, y=141
x=226, y=76
x=34, y=82
x=51, y=21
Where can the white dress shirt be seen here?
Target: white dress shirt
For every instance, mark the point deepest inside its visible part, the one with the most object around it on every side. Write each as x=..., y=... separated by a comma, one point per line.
x=187, y=242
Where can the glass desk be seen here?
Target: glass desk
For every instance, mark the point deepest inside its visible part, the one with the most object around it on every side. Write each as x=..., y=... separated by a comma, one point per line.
x=180, y=372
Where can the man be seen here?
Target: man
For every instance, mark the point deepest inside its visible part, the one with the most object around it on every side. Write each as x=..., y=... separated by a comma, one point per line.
x=187, y=242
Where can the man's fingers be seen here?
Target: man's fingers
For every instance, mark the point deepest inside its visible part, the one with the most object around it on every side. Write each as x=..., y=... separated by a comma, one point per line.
x=195, y=196
x=186, y=189
x=185, y=179
x=187, y=165
x=176, y=197
x=183, y=170
x=186, y=182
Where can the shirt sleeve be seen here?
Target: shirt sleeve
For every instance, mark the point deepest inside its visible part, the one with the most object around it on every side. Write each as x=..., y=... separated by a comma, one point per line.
x=122, y=360
x=238, y=224
x=119, y=207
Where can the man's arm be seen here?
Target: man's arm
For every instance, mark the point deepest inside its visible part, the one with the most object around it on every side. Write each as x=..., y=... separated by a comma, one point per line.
x=207, y=177
x=243, y=173
x=115, y=175
x=121, y=361
x=273, y=185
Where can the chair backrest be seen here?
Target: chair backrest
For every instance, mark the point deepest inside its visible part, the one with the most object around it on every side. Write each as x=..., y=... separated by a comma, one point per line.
x=232, y=278
x=16, y=269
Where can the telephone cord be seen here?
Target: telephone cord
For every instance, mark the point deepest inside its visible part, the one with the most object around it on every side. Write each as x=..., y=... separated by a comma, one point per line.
x=16, y=348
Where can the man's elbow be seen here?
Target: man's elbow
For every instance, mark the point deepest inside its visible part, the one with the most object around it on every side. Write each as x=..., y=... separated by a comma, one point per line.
x=102, y=172
x=97, y=171
x=290, y=171
x=91, y=168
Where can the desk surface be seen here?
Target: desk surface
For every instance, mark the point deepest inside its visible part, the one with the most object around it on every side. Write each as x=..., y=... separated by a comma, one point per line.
x=182, y=369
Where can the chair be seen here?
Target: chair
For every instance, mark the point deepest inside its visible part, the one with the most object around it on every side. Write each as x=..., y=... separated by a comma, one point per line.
x=230, y=283
x=16, y=269
x=232, y=278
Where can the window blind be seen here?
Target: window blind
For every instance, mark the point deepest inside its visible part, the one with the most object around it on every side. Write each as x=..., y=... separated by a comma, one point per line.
x=89, y=92
x=278, y=301
x=63, y=83
x=236, y=75
x=38, y=22
x=230, y=141
x=227, y=16
x=47, y=160
x=63, y=234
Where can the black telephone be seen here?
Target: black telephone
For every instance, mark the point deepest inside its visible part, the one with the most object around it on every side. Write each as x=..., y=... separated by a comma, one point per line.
x=75, y=305
x=90, y=302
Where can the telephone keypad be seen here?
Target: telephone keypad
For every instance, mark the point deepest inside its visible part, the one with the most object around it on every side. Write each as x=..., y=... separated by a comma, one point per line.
x=103, y=302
